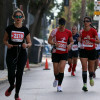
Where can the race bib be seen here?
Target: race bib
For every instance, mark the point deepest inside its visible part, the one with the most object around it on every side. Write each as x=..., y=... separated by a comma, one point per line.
x=17, y=36
x=74, y=47
x=87, y=43
x=62, y=46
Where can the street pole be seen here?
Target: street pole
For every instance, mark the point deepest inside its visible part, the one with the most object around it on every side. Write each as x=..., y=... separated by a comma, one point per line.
x=44, y=32
x=14, y=5
x=97, y=13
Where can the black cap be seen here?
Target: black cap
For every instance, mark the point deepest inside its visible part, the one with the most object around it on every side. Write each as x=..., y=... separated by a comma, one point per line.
x=62, y=21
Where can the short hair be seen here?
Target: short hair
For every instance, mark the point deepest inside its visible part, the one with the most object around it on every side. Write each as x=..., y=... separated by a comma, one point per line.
x=74, y=26
x=62, y=21
x=18, y=10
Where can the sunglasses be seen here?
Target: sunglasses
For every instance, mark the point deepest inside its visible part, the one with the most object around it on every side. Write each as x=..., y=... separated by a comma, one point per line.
x=61, y=25
x=86, y=21
x=18, y=17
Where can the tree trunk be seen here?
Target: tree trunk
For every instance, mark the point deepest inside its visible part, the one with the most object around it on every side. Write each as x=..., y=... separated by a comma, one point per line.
x=83, y=13
x=69, y=16
x=37, y=12
x=3, y=24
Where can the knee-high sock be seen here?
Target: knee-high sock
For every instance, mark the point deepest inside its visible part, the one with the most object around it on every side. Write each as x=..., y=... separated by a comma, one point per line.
x=91, y=75
x=84, y=76
x=74, y=66
x=70, y=65
x=61, y=76
x=56, y=76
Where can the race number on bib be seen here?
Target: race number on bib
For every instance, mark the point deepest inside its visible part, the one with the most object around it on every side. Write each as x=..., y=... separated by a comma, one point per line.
x=62, y=46
x=74, y=47
x=17, y=36
x=87, y=43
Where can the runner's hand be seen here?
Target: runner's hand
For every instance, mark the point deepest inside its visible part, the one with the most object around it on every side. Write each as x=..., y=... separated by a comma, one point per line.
x=79, y=39
x=56, y=44
x=24, y=45
x=88, y=37
x=9, y=46
x=69, y=47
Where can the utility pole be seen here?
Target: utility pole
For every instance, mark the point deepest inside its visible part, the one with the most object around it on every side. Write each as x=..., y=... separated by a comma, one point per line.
x=14, y=5
x=97, y=13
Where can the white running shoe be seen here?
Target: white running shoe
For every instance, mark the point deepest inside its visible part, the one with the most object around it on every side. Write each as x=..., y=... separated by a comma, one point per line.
x=59, y=89
x=55, y=83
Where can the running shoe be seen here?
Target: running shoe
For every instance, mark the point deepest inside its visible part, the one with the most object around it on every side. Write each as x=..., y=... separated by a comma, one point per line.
x=84, y=88
x=18, y=98
x=73, y=74
x=7, y=92
x=59, y=89
x=55, y=83
x=91, y=82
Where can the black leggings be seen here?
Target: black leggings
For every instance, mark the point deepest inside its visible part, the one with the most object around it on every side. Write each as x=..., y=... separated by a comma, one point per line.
x=16, y=60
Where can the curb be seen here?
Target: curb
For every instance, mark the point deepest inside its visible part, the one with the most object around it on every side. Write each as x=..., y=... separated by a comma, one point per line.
x=2, y=80
x=37, y=65
x=5, y=79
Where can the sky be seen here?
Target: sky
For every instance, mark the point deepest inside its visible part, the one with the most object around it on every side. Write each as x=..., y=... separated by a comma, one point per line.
x=55, y=11
x=59, y=1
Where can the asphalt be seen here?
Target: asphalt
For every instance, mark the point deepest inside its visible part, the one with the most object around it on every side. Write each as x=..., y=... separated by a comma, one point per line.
x=37, y=85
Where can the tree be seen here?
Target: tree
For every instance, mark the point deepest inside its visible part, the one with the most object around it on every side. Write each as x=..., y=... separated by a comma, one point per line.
x=83, y=12
x=68, y=25
x=76, y=5
x=90, y=8
x=5, y=6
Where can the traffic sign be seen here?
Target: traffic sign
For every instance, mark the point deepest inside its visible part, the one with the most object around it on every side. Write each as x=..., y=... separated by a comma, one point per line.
x=96, y=7
x=96, y=12
x=97, y=3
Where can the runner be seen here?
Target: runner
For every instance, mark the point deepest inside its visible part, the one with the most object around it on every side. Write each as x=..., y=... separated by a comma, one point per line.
x=59, y=38
x=97, y=57
x=14, y=39
x=73, y=53
x=87, y=52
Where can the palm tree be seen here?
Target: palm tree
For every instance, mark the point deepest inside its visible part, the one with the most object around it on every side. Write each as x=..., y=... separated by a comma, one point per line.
x=83, y=12
x=68, y=25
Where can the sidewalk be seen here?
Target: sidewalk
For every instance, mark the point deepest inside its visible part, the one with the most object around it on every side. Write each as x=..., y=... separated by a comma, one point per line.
x=3, y=73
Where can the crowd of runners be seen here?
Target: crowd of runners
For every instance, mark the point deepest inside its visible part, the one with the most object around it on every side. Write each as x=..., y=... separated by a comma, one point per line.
x=71, y=45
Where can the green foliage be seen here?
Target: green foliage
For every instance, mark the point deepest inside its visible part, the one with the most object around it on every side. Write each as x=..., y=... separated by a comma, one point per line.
x=76, y=10
x=90, y=8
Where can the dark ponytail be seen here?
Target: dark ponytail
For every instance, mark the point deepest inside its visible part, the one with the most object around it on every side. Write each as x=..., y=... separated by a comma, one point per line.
x=93, y=27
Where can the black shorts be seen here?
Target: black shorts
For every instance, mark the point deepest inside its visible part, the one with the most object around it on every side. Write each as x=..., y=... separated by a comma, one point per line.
x=72, y=54
x=97, y=54
x=90, y=54
x=58, y=57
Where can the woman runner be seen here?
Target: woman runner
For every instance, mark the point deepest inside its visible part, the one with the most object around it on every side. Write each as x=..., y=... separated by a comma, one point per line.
x=87, y=52
x=14, y=39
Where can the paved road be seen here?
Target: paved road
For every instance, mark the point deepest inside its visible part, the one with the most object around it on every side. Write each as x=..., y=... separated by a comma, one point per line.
x=37, y=85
